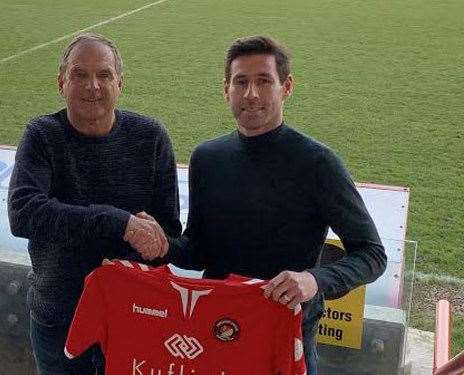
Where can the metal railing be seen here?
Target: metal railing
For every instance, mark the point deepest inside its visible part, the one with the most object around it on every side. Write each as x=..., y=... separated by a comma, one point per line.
x=442, y=365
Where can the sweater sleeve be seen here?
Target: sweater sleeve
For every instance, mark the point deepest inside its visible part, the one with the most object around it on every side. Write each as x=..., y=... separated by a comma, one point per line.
x=35, y=214
x=344, y=211
x=185, y=251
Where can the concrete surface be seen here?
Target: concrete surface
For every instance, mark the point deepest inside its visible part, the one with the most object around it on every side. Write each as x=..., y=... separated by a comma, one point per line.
x=419, y=352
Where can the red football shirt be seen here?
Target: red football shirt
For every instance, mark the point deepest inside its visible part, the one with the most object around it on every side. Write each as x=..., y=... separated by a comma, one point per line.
x=151, y=322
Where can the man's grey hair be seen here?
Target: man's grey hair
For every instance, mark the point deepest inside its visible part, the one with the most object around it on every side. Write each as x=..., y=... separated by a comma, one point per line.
x=91, y=38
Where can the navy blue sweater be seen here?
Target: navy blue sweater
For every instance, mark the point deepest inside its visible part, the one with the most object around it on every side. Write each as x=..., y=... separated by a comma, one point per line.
x=72, y=195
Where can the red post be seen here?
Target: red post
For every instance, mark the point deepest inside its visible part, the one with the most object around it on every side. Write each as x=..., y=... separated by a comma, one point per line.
x=442, y=334
x=442, y=365
x=454, y=367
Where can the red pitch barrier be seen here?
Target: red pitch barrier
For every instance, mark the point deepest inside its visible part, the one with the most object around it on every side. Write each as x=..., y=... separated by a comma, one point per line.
x=442, y=365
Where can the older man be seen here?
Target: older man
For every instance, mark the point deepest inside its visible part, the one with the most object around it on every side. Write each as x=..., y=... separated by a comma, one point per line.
x=81, y=176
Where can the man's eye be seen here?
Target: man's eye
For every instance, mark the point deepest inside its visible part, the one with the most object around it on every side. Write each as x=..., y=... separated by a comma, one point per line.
x=104, y=75
x=264, y=81
x=79, y=74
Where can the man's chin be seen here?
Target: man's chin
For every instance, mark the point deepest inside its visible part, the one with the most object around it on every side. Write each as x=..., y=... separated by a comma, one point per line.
x=250, y=129
x=249, y=125
x=251, y=121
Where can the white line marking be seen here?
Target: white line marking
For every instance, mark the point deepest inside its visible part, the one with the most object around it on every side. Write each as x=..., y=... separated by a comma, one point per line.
x=440, y=278
x=112, y=19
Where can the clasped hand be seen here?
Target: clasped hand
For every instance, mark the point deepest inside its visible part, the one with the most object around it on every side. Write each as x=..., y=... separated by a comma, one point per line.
x=146, y=236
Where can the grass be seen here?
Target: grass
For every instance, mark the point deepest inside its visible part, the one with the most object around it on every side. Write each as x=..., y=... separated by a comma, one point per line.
x=381, y=82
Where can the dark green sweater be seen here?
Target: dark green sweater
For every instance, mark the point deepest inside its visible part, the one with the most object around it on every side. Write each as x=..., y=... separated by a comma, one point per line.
x=72, y=196
x=261, y=205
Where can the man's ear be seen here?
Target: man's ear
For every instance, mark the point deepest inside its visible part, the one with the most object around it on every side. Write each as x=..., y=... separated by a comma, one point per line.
x=120, y=82
x=288, y=86
x=60, y=82
x=226, y=90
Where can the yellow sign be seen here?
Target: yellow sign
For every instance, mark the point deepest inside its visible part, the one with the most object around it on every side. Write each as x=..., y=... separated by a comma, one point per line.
x=342, y=323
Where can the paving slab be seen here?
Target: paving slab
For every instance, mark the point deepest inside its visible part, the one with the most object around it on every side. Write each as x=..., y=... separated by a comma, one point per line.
x=419, y=352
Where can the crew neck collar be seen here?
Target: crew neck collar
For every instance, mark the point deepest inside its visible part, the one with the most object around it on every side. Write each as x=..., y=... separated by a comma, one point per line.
x=265, y=137
x=91, y=138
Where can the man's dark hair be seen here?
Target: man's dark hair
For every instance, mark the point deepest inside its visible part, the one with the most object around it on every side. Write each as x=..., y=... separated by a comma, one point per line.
x=259, y=45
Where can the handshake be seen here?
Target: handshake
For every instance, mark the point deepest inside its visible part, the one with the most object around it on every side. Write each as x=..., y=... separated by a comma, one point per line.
x=146, y=236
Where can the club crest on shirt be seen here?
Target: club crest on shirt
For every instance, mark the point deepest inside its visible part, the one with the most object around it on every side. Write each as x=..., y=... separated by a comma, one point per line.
x=226, y=330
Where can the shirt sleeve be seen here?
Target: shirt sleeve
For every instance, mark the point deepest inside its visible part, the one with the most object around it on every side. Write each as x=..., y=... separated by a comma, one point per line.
x=290, y=359
x=35, y=214
x=88, y=326
x=343, y=209
x=299, y=362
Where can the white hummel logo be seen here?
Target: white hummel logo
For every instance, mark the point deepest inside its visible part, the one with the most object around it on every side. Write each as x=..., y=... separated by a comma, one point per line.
x=149, y=311
x=183, y=346
x=192, y=295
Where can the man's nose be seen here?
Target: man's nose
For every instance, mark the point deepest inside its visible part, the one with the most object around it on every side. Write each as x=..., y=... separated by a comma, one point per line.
x=251, y=91
x=93, y=83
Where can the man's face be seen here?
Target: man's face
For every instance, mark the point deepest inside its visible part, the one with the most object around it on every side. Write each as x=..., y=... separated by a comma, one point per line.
x=90, y=85
x=255, y=93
